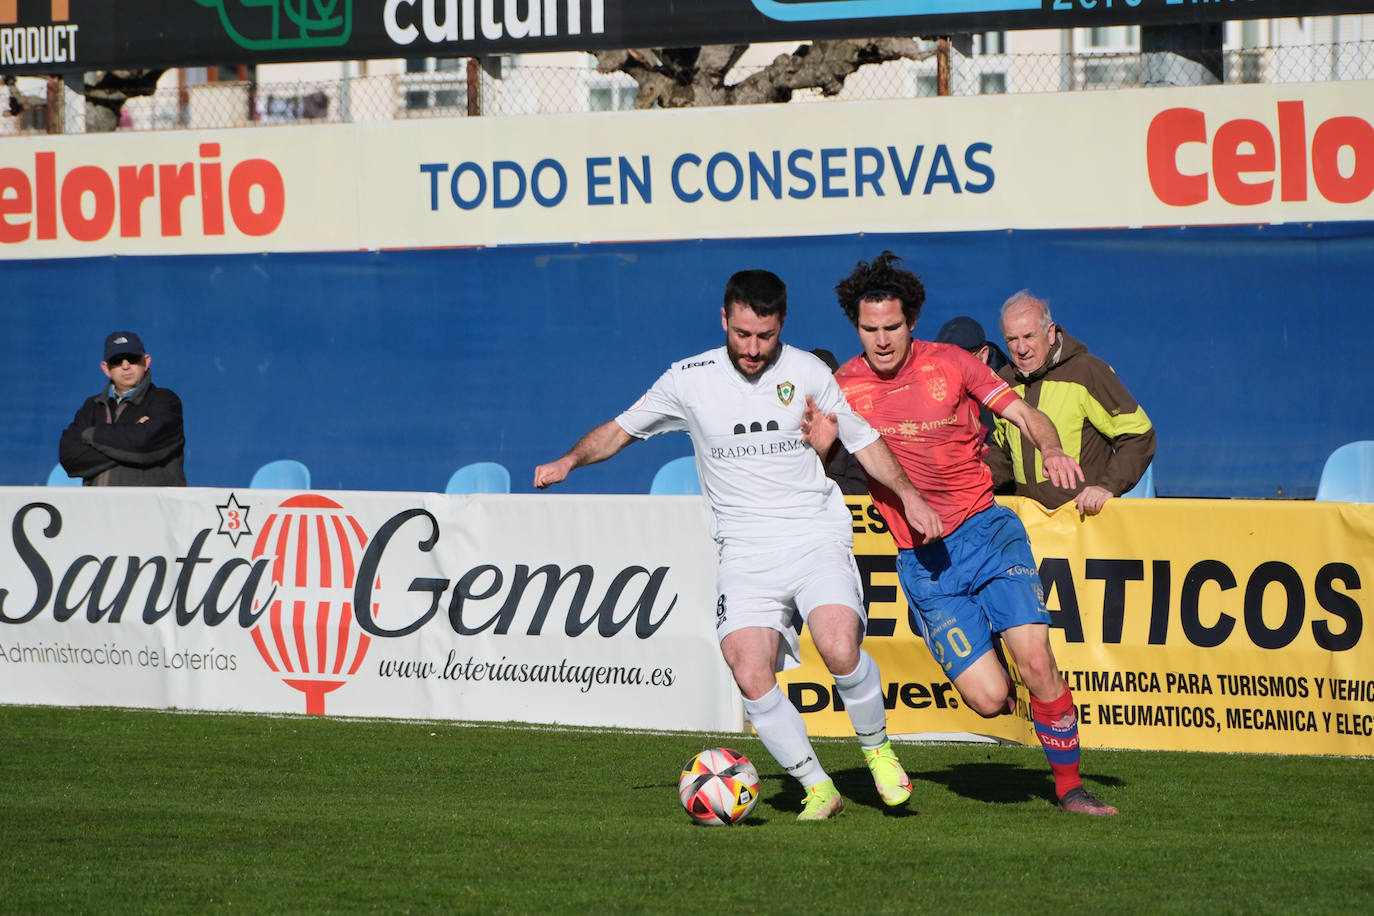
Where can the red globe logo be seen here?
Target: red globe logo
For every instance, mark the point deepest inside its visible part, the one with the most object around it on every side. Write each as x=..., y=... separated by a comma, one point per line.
x=308, y=634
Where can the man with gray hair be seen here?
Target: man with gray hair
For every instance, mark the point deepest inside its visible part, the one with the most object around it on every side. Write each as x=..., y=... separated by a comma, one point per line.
x=1099, y=423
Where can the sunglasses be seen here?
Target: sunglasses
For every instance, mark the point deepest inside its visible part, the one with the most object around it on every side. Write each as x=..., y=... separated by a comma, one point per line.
x=119, y=359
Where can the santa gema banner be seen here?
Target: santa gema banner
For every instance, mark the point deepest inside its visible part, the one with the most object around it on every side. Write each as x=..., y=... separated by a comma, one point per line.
x=559, y=609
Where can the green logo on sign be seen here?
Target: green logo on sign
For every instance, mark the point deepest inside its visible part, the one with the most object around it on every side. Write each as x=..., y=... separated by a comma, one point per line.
x=272, y=25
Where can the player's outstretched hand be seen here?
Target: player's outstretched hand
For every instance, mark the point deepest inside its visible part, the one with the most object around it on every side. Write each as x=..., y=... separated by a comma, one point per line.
x=819, y=429
x=546, y=475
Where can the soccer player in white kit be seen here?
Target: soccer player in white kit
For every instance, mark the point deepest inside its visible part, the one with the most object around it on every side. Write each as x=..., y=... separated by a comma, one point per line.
x=782, y=530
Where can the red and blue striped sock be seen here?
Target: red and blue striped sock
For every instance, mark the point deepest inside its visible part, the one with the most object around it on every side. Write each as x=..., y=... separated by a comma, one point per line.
x=1056, y=725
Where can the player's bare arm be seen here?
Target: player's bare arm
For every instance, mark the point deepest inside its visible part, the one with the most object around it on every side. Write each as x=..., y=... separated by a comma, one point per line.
x=1062, y=470
x=820, y=430
x=598, y=444
x=881, y=465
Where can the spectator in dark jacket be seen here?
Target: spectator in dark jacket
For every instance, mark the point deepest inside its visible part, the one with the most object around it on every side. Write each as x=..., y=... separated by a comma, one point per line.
x=967, y=334
x=130, y=434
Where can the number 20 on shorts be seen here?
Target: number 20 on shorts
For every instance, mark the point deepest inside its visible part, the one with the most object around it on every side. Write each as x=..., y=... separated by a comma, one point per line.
x=957, y=642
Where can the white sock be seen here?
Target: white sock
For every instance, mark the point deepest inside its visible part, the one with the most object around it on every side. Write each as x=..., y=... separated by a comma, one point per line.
x=862, y=692
x=783, y=732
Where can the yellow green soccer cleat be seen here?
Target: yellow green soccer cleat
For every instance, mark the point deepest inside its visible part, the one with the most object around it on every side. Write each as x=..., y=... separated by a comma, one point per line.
x=893, y=784
x=822, y=801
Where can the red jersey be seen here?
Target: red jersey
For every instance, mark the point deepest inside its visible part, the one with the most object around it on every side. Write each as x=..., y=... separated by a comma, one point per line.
x=928, y=416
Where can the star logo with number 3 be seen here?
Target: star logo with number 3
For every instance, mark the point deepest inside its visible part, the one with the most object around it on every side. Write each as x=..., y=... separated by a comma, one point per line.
x=233, y=520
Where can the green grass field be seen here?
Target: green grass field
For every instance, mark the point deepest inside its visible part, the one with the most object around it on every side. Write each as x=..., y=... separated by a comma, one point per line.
x=138, y=811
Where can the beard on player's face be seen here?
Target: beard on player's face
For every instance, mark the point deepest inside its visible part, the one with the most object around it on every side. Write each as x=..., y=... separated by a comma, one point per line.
x=752, y=362
x=752, y=341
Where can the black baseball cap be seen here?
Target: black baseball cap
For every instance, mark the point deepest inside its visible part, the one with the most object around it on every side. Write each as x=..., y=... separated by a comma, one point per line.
x=123, y=343
x=962, y=332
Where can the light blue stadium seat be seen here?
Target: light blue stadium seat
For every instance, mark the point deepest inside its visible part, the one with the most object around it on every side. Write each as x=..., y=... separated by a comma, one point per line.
x=283, y=474
x=1348, y=475
x=1145, y=486
x=479, y=477
x=57, y=477
x=678, y=476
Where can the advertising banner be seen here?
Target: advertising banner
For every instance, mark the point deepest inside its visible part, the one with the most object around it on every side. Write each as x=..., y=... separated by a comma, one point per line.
x=1179, y=624
x=559, y=609
x=49, y=36
x=1150, y=157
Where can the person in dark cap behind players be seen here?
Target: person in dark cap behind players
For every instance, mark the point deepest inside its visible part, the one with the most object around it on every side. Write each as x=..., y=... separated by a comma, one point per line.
x=964, y=332
x=967, y=334
x=130, y=434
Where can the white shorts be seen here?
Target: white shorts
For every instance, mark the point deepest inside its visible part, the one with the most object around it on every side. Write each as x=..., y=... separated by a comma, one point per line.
x=770, y=589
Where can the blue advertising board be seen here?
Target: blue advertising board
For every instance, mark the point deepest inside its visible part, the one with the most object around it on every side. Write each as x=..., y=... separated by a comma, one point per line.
x=387, y=370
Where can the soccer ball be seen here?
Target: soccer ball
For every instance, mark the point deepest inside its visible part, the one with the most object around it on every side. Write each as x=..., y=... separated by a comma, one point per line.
x=718, y=787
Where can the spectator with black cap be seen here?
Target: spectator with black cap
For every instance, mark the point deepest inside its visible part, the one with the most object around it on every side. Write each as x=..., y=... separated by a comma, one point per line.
x=130, y=434
x=967, y=334
x=964, y=332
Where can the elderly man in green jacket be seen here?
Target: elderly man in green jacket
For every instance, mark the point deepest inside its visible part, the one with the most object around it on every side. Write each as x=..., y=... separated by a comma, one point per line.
x=1099, y=423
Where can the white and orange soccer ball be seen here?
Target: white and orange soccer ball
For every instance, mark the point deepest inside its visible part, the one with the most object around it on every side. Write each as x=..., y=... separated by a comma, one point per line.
x=718, y=787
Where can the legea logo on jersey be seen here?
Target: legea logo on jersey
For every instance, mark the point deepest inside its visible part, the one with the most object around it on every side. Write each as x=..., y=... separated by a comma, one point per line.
x=274, y=25
x=812, y=10
x=308, y=634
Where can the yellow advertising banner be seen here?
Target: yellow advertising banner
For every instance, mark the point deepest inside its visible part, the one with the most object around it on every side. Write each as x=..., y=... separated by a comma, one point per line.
x=1179, y=624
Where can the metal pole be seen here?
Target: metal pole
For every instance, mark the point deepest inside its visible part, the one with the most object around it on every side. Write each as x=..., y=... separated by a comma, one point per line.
x=345, y=92
x=474, y=87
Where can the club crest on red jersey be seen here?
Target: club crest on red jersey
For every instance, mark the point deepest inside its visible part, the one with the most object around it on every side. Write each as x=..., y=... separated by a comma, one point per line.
x=936, y=385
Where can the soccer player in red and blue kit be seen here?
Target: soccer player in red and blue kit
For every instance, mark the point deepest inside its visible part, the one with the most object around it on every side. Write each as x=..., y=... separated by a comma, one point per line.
x=978, y=581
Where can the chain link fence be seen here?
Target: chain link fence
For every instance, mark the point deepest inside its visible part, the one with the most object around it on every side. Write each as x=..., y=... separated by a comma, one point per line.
x=528, y=86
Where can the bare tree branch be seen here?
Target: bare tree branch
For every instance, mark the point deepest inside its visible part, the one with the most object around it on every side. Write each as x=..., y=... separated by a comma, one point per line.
x=19, y=102
x=106, y=91
x=695, y=76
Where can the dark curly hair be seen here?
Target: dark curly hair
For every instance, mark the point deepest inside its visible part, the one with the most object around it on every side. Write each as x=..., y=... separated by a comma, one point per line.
x=877, y=280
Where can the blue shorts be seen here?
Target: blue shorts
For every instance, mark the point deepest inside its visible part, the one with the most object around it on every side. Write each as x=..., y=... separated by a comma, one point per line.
x=978, y=581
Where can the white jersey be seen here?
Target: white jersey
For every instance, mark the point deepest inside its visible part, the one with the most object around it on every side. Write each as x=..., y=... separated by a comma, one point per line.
x=764, y=484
